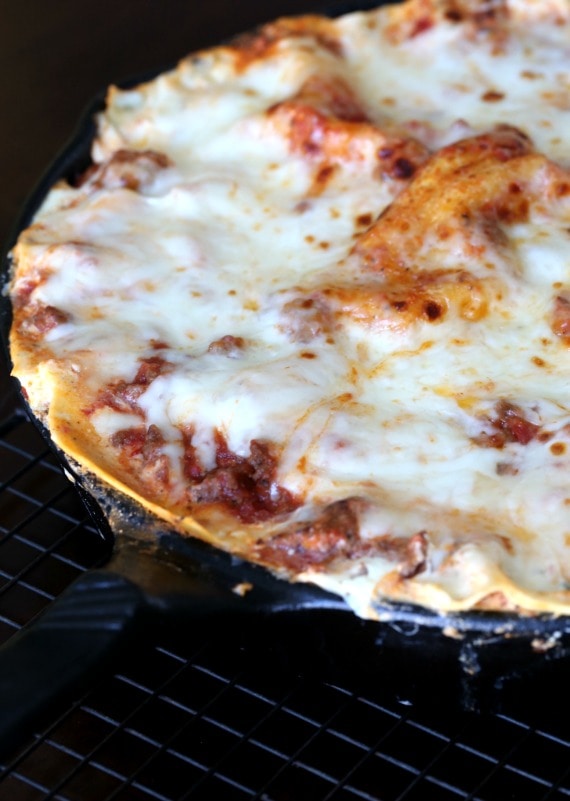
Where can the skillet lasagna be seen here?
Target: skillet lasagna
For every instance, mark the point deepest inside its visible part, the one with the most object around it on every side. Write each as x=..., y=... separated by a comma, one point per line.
x=311, y=302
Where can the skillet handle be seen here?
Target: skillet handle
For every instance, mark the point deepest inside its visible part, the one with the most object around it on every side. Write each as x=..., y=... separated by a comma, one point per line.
x=47, y=662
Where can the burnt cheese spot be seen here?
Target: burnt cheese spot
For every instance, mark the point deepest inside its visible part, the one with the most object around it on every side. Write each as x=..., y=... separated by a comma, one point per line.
x=492, y=96
x=403, y=168
x=432, y=310
x=364, y=220
x=558, y=448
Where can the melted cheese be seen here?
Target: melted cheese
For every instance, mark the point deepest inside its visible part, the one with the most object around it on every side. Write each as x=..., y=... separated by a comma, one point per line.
x=232, y=236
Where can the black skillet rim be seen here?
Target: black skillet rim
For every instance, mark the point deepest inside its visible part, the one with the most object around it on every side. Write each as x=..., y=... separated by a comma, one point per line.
x=72, y=160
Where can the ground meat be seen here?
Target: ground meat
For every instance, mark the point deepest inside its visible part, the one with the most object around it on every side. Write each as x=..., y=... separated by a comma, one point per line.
x=227, y=346
x=511, y=422
x=333, y=535
x=130, y=441
x=410, y=552
x=143, y=448
x=244, y=486
x=318, y=542
x=510, y=425
x=192, y=468
x=41, y=320
x=123, y=396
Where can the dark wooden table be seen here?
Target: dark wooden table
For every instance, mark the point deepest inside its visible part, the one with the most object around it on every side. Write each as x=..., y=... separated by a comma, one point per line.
x=56, y=55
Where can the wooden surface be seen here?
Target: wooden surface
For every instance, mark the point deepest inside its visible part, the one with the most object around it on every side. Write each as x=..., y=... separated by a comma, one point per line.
x=55, y=55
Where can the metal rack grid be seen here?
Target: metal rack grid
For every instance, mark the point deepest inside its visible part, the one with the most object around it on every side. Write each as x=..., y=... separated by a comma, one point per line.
x=201, y=714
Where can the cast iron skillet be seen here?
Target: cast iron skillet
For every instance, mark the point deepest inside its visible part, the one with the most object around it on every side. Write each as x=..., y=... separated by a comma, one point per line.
x=155, y=575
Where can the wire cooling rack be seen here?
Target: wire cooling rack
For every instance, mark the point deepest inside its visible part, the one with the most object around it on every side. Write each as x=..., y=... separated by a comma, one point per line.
x=197, y=714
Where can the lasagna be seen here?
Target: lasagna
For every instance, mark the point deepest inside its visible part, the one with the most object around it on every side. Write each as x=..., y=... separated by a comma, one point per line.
x=311, y=302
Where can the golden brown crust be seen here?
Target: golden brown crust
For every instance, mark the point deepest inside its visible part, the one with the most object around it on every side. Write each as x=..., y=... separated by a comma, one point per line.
x=409, y=20
x=262, y=43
